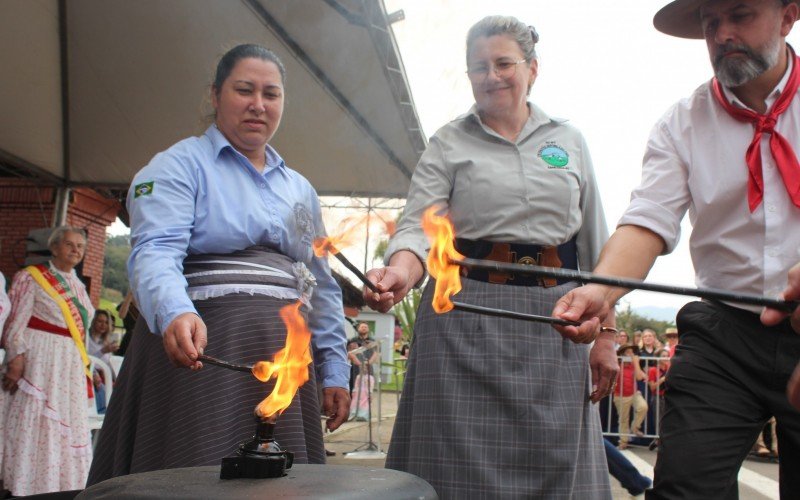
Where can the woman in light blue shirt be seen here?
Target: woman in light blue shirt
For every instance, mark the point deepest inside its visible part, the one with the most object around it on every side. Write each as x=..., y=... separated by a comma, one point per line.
x=221, y=231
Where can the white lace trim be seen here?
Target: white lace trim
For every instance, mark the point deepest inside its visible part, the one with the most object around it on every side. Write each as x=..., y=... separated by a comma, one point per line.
x=239, y=263
x=277, y=273
x=306, y=281
x=212, y=291
x=50, y=413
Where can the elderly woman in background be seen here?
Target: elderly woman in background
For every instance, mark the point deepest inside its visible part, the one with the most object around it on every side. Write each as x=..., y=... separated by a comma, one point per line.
x=500, y=408
x=221, y=230
x=45, y=435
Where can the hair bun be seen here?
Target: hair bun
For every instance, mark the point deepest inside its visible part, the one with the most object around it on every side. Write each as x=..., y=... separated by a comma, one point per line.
x=534, y=34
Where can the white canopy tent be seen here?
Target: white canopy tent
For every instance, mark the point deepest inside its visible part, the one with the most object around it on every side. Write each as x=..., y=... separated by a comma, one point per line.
x=92, y=89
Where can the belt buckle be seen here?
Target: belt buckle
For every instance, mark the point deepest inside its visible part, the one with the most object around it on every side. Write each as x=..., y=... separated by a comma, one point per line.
x=527, y=260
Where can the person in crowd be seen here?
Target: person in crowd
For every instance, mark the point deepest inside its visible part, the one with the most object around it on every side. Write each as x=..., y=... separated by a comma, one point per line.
x=656, y=379
x=622, y=339
x=404, y=351
x=363, y=385
x=45, y=436
x=671, y=335
x=627, y=394
x=129, y=314
x=637, y=338
x=5, y=304
x=624, y=471
x=364, y=381
x=767, y=436
x=648, y=347
x=725, y=155
x=211, y=277
x=647, y=353
x=99, y=345
x=474, y=381
x=355, y=367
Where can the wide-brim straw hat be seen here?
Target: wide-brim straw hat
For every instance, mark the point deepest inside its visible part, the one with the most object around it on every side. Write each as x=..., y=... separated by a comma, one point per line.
x=623, y=348
x=681, y=18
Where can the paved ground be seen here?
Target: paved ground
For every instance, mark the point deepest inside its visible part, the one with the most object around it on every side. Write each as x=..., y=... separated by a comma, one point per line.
x=758, y=480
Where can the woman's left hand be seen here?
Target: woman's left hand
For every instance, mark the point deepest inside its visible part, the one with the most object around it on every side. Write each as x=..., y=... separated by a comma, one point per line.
x=336, y=405
x=604, y=366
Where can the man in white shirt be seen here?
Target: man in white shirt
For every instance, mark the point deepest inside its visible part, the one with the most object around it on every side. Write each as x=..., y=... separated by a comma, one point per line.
x=725, y=155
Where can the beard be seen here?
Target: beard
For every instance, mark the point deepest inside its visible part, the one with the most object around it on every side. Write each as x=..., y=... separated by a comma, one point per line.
x=737, y=70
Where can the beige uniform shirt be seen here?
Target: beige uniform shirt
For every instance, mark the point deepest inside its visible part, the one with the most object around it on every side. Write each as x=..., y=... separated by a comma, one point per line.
x=540, y=189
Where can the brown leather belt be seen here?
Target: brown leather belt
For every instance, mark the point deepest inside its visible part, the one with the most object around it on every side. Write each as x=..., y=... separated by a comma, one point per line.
x=561, y=256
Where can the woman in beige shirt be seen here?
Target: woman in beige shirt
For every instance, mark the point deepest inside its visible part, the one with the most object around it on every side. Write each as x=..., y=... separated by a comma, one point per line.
x=498, y=407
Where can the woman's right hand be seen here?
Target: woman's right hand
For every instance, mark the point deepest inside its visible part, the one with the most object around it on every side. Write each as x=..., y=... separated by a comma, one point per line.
x=394, y=281
x=185, y=339
x=14, y=372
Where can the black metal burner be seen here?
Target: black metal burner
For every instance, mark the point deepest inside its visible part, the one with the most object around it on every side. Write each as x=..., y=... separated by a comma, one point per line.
x=259, y=457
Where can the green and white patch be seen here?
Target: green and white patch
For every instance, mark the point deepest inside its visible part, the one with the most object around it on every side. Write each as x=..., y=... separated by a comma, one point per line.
x=554, y=155
x=143, y=189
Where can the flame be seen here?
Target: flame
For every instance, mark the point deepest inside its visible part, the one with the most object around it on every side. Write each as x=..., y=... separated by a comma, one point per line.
x=440, y=233
x=348, y=232
x=289, y=365
x=345, y=235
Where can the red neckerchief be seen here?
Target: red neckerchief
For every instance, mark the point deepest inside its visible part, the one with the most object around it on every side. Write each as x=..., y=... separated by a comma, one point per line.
x=782, y=151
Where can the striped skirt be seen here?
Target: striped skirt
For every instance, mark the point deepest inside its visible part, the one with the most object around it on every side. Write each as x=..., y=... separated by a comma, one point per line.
x=162, y=417
x=499, y=408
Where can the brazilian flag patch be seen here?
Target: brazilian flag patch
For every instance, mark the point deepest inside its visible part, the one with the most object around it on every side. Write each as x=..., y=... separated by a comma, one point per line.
x=143, y=189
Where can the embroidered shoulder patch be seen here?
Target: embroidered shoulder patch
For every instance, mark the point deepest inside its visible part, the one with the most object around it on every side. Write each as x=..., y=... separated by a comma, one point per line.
x=143, y=189
x=554, y=155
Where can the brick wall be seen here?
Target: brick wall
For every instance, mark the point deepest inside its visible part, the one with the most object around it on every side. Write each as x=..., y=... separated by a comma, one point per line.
x=25, y=206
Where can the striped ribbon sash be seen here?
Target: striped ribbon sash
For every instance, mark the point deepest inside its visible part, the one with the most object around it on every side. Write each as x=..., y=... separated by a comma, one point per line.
x=256, y=270
x=74, y=314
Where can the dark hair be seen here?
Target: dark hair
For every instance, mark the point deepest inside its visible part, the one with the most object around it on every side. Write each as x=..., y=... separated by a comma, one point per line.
x=244, y=51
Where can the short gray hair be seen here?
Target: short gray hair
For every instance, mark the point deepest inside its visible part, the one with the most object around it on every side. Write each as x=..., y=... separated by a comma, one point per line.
x=58, y=234
x=525, y=36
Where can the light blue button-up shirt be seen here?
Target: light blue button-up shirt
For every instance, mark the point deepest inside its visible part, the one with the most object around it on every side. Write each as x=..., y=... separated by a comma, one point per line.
x=202, y=196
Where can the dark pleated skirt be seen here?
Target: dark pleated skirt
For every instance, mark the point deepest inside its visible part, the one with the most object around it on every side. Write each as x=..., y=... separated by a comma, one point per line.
x=499, y=408
x=162, y=417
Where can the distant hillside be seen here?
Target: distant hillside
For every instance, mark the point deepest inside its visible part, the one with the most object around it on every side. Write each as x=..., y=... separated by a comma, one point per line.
x=657, y=313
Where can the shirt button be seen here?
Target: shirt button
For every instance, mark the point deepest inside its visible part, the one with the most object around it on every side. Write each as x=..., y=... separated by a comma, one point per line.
x=274, y=236
x=770, y=208
x=263, y=185
x=773, y=252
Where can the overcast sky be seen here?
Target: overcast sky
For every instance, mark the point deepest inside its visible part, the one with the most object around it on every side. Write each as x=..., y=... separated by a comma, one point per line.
x=602, y=65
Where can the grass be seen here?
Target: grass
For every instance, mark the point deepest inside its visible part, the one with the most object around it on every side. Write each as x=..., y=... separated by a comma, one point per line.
x=395, y=383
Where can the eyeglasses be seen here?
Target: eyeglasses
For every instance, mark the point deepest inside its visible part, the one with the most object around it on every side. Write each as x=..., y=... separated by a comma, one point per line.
x=503, y=69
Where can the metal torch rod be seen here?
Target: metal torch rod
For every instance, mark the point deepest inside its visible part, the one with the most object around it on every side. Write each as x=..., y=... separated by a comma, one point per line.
x=551, y=272
x=503, y=313
x=349, y=265
x=224, y=364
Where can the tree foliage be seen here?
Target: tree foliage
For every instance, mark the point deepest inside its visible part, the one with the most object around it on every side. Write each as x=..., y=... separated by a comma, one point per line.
x=115, y=270
x=406, y=312
x=631, y=321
